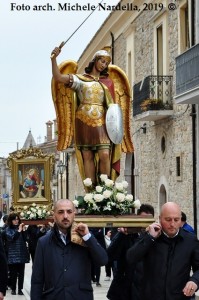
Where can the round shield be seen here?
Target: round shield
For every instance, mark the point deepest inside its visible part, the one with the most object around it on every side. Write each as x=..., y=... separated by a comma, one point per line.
x=114, y=123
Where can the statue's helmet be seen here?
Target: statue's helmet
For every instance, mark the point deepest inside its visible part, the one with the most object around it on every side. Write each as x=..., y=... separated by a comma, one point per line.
x=102, y=53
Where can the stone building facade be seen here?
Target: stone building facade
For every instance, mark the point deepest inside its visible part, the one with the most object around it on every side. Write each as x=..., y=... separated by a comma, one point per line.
x=5, y=186
x=146, y=43
x=158, y=178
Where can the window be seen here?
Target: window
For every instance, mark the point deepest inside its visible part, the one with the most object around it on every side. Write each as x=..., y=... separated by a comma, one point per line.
x=161, y=57
x=163, y=144
x=186, y=22
x=179, y=167
x=159, y=51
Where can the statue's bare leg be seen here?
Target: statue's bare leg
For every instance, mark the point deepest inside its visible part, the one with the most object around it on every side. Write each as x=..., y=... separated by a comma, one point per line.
x=104, y=162
x=89, y=165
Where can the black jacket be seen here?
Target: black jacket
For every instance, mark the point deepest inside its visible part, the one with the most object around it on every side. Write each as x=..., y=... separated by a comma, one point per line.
x=121, y=285
x=16, y=246
x=167, y=264
x=3, y=269
x=33, y=234
x=64, y=271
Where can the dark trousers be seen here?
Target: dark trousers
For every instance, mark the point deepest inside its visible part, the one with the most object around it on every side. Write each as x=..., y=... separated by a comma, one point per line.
x=95, y=272
x=16, y=270
x=32, y=254
x=111, y=267
x=108, y=267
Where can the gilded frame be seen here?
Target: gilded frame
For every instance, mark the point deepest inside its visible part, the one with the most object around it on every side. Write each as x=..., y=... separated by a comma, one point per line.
x=31, y=172
x=130, y=221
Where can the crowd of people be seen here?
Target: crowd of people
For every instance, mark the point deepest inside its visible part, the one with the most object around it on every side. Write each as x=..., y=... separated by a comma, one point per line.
x=160, y=262
x=17, y=245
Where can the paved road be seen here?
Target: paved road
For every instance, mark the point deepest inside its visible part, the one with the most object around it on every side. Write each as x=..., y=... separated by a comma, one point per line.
x=99, y=292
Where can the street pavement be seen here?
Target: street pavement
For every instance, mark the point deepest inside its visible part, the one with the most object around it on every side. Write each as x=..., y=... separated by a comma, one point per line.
x=99, y=292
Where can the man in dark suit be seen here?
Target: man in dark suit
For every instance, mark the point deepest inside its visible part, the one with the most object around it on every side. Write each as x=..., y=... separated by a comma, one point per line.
x=62, y=265
x=3, y=271
x=169, y=254
x=127, y=278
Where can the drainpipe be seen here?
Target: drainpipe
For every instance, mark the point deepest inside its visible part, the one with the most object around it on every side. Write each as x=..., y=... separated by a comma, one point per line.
x=193, y=115
x=197, y=20
x=112, y=47
x=194, y=130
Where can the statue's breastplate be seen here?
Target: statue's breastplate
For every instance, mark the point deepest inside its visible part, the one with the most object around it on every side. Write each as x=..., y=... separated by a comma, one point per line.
x=91, y=108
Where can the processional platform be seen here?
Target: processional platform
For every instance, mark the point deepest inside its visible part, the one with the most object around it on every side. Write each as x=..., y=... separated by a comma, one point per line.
x=136, y=223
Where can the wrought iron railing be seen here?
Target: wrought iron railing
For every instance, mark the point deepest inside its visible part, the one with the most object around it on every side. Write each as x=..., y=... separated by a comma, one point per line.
x=153, y=88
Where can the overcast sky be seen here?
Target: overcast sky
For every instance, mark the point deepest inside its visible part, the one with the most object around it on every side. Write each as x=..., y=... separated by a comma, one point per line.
x=27, y=38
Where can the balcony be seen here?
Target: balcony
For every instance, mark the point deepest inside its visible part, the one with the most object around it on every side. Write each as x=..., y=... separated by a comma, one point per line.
x=187, y=77
x=152, y=98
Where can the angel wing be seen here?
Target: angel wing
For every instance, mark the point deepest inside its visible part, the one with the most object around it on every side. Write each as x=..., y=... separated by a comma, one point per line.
x=123, y=98
x=62, y=98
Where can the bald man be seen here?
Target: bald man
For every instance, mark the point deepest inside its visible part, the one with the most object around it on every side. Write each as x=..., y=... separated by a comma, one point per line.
x=169, y=253
x=62, y=265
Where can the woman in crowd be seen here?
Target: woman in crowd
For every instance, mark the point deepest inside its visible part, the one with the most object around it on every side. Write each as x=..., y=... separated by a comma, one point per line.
x=17, y=251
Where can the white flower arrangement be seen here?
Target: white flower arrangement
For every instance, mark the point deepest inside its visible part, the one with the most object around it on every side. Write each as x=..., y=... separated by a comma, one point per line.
x=35, y=212
x=107, y=198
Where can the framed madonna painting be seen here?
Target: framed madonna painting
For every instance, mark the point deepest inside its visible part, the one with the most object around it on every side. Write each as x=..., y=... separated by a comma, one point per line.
x=31, y=172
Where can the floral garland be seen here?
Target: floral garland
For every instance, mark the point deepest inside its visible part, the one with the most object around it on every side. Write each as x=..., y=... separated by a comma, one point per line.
x=107, y=198
x=35, y=212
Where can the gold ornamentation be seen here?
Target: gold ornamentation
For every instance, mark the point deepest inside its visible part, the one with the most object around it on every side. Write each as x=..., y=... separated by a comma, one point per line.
x=66, y=104
x=93, y=93
x=123, y=98
x=89, y=120
x=87, y=107
x=132, y=221
x=31, y=152
x=63, y=98
x=96, y=78
x=31, y=172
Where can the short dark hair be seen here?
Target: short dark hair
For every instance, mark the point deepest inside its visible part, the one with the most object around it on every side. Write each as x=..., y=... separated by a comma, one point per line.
x=147, y=208
x=107, y=230
x=5, y=218
x=183, y=217
x=11, y=208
